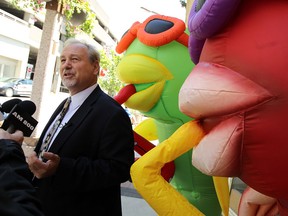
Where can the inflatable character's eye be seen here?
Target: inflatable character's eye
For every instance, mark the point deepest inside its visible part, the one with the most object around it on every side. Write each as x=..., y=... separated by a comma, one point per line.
x=155, y=31
x=159, y=30
x=157, y=26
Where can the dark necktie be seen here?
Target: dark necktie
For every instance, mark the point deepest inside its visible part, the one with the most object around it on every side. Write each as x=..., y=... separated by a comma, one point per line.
x=54, y=128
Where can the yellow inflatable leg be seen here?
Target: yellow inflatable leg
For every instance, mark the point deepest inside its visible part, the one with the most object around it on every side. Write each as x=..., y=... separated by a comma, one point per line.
x=146, y=172
x=222, y=190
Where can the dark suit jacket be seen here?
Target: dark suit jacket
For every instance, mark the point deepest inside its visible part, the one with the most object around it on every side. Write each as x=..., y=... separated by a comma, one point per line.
x=96, y=151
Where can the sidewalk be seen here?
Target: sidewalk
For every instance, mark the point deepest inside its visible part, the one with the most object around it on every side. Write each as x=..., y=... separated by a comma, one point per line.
x=132, y=203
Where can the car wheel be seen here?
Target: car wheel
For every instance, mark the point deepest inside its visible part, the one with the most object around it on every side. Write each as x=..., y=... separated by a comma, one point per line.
x=9, y=92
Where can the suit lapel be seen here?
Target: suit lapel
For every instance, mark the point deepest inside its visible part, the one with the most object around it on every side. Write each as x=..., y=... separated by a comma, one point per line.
x=75, y=120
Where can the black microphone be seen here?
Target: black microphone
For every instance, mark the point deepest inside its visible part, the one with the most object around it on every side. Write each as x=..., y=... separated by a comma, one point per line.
x=7, y=106
x=20, y=118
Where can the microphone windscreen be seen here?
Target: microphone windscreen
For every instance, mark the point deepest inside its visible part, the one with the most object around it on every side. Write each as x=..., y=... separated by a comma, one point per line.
x=28, y=106
x=8, y=105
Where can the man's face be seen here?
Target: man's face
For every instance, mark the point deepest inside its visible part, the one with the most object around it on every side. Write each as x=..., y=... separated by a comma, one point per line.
x=77, y=72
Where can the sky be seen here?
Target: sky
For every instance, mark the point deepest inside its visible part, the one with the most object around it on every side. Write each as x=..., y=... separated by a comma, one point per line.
x=123, y=13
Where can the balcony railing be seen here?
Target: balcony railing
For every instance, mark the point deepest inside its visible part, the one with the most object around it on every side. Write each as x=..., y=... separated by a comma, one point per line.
x=20, y=30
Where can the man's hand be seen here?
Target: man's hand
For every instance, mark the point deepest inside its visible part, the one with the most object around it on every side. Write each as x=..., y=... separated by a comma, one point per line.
x=43, y=169
x=17, y=136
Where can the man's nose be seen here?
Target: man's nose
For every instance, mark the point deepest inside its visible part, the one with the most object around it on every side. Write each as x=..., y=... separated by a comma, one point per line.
x=66, y=64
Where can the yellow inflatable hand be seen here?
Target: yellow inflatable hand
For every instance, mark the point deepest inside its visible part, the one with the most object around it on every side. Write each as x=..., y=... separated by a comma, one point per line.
x=146, y=172
x=147, y=129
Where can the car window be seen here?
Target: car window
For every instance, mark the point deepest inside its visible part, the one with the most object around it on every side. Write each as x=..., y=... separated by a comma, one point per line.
x=30, y=82
x=16, y=80
x=22, y=82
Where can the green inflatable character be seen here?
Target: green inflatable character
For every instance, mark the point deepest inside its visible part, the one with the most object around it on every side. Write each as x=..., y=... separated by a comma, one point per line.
x=155, y=64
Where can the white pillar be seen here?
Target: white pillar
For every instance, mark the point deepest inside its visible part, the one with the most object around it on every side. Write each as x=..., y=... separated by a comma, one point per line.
x=44, y=69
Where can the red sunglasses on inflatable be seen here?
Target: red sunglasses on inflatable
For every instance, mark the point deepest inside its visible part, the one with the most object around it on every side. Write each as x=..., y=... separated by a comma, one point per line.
x=157, y=30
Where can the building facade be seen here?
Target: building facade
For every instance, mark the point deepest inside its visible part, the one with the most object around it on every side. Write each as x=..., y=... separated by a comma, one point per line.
x=20, y=37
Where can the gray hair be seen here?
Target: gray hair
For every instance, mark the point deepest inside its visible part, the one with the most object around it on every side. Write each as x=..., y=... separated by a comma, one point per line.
x=94, y=54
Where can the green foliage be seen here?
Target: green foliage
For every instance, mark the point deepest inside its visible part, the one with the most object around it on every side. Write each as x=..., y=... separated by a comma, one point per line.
x=109, y=82
x=69, y=7
x=35, y=5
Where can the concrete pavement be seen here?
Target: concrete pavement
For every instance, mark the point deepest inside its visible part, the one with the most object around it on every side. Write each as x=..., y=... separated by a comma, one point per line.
x=136, y=207
x=132, y=203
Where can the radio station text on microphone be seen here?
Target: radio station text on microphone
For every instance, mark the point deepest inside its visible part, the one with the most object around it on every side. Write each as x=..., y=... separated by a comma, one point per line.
x=20, y=118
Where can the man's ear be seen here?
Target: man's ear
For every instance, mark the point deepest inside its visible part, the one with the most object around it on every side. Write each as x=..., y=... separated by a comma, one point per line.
x=96, y=69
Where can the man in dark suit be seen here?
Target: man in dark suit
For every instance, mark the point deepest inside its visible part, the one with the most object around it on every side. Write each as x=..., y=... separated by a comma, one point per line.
x=79, y=168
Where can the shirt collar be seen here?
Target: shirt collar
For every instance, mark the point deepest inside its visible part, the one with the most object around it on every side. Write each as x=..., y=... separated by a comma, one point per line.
x=80, y=97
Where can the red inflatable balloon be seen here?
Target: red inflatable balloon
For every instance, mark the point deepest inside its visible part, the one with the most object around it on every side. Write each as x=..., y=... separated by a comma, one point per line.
x=239, y=91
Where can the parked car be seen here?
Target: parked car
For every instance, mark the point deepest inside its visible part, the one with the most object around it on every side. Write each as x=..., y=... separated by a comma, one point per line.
x=11, y=86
